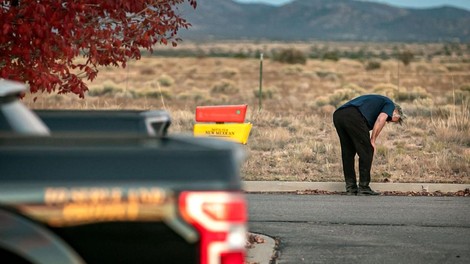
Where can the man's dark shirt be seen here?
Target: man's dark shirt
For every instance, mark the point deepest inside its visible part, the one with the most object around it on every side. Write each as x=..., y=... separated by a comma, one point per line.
x=371, y=106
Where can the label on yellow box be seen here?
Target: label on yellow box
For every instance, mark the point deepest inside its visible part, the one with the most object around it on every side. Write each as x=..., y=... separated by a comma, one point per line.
x=236, y=132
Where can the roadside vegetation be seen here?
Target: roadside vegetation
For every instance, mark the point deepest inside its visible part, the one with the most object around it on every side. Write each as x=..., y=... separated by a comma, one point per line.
x=293, y=138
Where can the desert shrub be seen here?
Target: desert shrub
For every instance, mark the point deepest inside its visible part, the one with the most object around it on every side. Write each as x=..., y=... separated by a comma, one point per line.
x=412, y=94
x=454, y=128
x=386, y=89
x=147, y=71
x=401, y=94
x=155, y=93
x=225, y=87
x=182, y=120
x=331, y=55
x=272, y=139
x=339, y=97
x=229, y=72
x=220, y=100
x=406, y=57
x=373, y=65
x=422, y=68
x=241, y=55
x=459, y=97
x=322, y=101
x=356, y=89
x=195, y=95
x=191, y=71
x=382, y=152
x=455, y=67
x=291, y=56
x=165, y=80
x=425, y=108
x=265, y=93
x=327, y=75
x=292, y=69
x=465, y=87
x=109, y=88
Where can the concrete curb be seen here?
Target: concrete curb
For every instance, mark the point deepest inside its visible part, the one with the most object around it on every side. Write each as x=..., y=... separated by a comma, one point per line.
x=281, y=186
x=262, y=253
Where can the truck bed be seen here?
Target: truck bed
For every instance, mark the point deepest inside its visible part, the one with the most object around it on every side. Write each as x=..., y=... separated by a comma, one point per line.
x=151, y=122
x=180, y=160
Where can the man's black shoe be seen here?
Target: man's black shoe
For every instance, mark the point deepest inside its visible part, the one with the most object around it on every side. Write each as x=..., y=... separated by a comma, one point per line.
x=351, y=189
x=365, y=192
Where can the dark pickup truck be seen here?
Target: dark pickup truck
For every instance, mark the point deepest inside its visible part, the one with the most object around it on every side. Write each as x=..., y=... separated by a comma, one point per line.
x=153, y=123
x=107, y=197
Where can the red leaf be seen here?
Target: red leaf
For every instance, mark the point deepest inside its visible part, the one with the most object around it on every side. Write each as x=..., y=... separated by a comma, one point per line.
x=44, y=37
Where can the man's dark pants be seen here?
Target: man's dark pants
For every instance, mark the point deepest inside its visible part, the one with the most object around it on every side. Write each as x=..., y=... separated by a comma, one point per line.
x=354, y=136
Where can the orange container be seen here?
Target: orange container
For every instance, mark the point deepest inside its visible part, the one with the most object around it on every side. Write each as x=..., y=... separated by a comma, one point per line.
x=221, y=113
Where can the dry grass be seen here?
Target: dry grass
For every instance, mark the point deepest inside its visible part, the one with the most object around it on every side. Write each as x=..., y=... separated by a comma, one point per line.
x=293, y=137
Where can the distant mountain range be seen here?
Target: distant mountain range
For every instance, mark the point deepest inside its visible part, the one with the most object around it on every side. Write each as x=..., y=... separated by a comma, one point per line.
x=336, y=20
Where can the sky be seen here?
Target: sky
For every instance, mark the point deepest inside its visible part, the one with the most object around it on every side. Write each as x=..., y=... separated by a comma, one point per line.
x=465, y=4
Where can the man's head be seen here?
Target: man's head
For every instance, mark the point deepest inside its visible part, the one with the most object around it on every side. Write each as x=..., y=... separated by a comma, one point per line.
x=398, y=115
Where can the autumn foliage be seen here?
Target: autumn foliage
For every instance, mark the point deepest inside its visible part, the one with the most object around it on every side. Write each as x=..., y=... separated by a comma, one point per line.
x=39, y=39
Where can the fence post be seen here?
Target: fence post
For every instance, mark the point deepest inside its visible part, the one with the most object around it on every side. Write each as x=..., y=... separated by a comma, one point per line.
x=260, y=94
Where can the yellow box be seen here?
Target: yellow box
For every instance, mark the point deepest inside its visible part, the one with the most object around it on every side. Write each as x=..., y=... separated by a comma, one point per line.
x=236, y=132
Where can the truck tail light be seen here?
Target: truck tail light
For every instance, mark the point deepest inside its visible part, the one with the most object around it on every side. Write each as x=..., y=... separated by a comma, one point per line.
x=220, y=218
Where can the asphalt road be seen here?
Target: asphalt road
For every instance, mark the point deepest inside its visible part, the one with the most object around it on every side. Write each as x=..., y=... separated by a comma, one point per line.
x=364, y=229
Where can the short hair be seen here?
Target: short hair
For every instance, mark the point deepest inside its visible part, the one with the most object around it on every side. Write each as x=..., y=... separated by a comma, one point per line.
x=400, y=112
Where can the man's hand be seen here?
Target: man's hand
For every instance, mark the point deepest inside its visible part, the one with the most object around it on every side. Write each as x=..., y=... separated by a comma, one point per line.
x=373, y=144
x=379, y=124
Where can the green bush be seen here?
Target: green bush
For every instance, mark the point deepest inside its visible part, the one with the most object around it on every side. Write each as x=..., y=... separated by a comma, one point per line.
x=465, y=87
x=387, y=89
x=402, y=93
x=109, y=89
x=265, y=94
x=225, y=87
x=291, y=56
x=196, y=95
x=157, y=94
x=327, y=75
x=165, y=80
x=292, y=69
x=339, y=97
x=412, y=94
x=459, y=97
x=406, y=57
x=331, y=55
x=373, y=65
x=229, y=72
